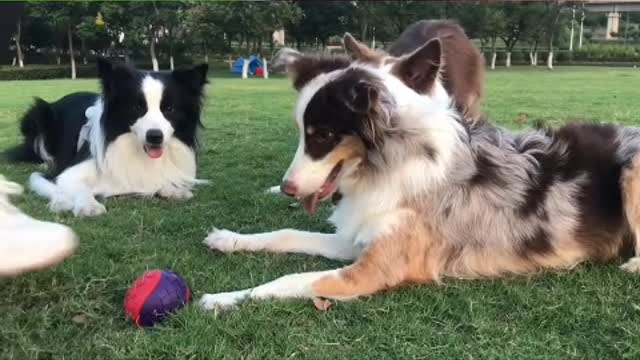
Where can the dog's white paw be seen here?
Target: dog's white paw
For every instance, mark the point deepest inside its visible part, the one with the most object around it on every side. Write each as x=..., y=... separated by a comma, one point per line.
x=274, y=190
x=222, y=301
x=60, y=204
x=223, y=240
x=175, y=193
x=88, y=207
x=633, y=265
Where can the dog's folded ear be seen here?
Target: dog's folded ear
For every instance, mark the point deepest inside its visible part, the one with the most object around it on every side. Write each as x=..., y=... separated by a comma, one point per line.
x=360, y=51
x=193, y=78
x=419, y=70
x=303, y=68
x=284, y=59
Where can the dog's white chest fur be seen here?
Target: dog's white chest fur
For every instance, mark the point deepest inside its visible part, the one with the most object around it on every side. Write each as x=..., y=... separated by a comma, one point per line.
x=126, y=168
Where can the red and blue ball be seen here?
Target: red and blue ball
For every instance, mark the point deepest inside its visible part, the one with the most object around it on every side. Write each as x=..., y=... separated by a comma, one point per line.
x=154, y=296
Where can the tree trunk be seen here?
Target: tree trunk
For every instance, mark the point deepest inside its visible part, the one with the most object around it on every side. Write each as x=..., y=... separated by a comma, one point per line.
x=245, y=68
x=171, y=50
x=83, y=51
x=363, y=30
x=551, y=34
x=72, y=57
x=494, y=54
x=550, y=55
x=247, y=48
x=265, y=70
x=19, y=45
x=507, y=61
x=271, y=45
x=581, y=31
x=533, y=53
x=152, y=51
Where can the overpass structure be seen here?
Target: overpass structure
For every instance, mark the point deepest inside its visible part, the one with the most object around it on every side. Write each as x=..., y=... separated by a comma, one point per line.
x=613, y=8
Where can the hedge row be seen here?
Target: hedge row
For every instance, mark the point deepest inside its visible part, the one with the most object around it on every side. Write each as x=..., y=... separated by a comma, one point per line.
x=46, y=72
x=607, y=53
x=593, y=53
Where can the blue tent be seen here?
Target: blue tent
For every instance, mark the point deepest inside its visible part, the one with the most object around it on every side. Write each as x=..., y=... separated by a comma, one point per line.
x=254, y=64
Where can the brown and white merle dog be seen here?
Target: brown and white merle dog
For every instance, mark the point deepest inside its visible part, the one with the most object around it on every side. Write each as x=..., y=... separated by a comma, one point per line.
x=427, y=195
x=461, y=78
x=463, y=74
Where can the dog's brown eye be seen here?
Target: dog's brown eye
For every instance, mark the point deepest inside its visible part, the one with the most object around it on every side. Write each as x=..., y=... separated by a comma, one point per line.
x=324, y=136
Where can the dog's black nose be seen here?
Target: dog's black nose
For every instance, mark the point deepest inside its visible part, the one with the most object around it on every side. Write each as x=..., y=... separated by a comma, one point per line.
x=154, y=137
x=288, y=188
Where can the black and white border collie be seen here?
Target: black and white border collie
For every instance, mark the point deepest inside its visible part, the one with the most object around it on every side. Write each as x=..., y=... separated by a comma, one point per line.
x=138, y=137
x=427, y=195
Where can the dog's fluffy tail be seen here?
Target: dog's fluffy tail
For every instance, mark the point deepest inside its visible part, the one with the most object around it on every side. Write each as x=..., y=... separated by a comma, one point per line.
x=42, y=186
x=33, y=127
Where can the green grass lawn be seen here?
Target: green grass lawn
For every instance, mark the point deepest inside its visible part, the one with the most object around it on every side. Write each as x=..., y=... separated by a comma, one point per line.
x=74, y=311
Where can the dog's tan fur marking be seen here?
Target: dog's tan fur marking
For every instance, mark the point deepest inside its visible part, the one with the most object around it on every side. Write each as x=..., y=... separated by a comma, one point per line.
x=350, y=148
x=631, y=198
x=403, y=256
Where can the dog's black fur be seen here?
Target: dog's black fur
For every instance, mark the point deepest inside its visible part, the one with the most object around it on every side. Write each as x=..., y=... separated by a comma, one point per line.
x=57, y=125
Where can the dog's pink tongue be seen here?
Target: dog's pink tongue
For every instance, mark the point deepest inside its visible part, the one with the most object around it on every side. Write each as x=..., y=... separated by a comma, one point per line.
x=154, y=153
x=311, y=202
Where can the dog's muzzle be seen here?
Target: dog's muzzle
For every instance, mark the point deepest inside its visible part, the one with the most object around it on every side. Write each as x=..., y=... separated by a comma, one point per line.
x=154, y=139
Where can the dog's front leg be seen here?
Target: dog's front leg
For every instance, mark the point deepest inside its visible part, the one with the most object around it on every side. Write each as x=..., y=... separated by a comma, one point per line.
x=174, y=193
x=76, y=184
x=396, y=257
x=330, y=246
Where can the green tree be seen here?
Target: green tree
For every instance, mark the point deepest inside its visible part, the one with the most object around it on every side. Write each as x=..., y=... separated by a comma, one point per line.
x=320, y=20
x=204, y=23
x=516, y=22
x=122, y=24
x=535, y=29
x=132, y=24
x=552, y=21
x=170, y=15
x=488, y=23
x=92, y=35
x=64, y=17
